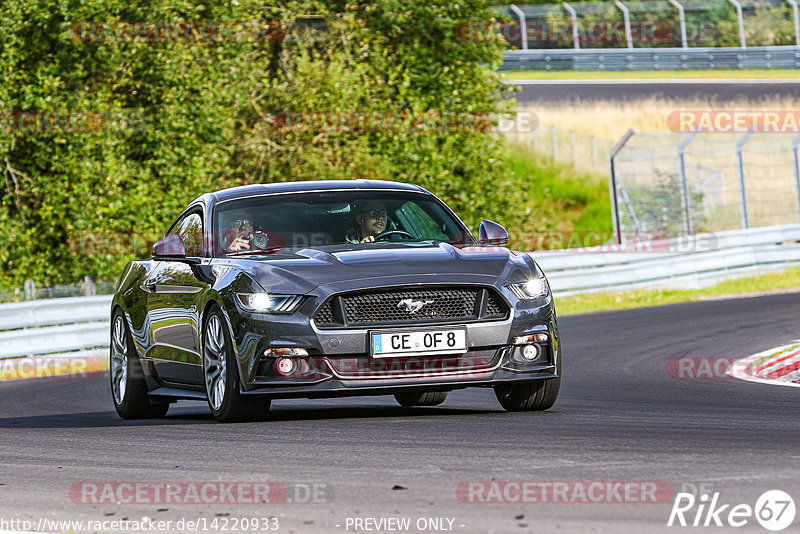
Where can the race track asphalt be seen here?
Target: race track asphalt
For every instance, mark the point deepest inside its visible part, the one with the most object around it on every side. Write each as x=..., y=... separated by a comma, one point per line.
x=620, y=417
x=712, y=91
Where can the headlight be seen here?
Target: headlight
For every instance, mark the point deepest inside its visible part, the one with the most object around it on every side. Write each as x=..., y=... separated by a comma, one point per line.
x=531, y=289
x=266, y=303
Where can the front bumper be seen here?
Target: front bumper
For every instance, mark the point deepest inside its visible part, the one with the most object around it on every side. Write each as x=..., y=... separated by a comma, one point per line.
x=339, y=365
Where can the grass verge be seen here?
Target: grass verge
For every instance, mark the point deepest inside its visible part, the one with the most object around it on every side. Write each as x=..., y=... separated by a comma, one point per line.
x=558, y=197
x=771, y=74
x=745, y=286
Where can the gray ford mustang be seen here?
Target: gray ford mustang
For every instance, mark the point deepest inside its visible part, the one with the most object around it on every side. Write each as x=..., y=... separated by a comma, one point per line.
x=327, y=289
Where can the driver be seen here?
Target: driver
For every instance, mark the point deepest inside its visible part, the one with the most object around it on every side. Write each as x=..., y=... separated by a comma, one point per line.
x=240, y=229
x=370, y=221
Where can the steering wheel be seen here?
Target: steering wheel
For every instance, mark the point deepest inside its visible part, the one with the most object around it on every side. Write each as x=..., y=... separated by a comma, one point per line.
x=390, y=232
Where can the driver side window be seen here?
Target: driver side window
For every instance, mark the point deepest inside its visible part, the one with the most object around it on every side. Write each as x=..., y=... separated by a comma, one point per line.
x=190, y=228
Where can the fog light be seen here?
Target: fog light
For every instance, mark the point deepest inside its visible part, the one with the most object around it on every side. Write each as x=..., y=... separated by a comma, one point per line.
x=530, y=352
x=533, y=338
x=285, y=366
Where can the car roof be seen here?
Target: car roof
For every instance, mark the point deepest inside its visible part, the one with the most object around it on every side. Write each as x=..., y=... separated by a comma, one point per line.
x=304, y=186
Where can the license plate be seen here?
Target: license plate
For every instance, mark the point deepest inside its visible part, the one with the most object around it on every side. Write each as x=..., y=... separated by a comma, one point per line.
x=418, y=342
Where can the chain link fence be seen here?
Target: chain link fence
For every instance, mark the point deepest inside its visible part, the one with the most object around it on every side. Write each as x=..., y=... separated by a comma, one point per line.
x=650, y=24
x=583, y=152
x=683, y=184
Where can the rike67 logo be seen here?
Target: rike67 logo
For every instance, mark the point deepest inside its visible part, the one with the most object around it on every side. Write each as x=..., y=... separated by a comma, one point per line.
x=774, y=510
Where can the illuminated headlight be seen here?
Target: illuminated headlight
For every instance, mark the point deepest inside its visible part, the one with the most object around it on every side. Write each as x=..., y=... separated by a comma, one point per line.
x=532, y=338
x=287, y=351
x=531, y=289
x=266, y=303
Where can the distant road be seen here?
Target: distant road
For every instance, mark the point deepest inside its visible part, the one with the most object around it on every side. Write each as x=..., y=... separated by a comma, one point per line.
x=713, y=90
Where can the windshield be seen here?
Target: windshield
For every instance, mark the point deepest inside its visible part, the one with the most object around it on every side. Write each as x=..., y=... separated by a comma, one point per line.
x=282, y=223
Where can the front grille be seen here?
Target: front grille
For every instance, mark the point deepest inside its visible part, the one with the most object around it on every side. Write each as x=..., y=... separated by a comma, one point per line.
x=411, y=306
x=386, y=307
x=325, y=314
x=494, y=307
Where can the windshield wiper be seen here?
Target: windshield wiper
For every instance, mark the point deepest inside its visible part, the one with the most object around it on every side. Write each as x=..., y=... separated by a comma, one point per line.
x=253, y=252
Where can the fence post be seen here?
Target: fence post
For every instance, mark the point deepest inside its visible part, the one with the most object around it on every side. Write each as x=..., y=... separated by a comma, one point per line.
x=612, y=183
x=682, y=21
x=795, y=144
x=555, y=143
x=523, y=25
x=740, y=174
x=594, y=150
x=793, y=3
x=574, y=149
x=626, y=16
x=30, y=290
x=89, y=287
x=574, y=16
x=739, y=16
x=685, y=198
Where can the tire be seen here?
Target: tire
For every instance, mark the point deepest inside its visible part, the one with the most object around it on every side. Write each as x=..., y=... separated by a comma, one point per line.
x=221, y=376
x=128, y=387
x=424, y=398
x=532, y=396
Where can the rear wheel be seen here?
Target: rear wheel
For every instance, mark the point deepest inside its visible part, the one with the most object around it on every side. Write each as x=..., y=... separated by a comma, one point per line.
x=221, y=374
x=424, y=398
x=128, y=387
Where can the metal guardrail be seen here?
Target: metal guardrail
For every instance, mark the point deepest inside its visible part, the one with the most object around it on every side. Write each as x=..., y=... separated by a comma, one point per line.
x=688, y=262
x=64, y=327
x=79, y=326
x=763, y=57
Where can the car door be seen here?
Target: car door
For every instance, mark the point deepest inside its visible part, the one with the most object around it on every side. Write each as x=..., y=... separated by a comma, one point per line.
x=172, y=312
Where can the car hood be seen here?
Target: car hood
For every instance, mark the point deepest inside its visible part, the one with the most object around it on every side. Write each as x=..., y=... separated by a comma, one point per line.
x=353, y=266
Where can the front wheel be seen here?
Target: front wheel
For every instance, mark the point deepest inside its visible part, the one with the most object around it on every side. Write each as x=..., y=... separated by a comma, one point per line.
x=128, y=387
x=221, y=374
x=533, y=396
x=425, y=398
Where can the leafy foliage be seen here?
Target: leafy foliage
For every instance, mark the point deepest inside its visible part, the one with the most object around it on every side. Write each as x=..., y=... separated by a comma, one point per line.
x=154, y=124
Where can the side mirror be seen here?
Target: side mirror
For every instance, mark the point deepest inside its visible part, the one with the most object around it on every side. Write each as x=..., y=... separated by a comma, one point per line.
x=491, y=233
x=169, y=248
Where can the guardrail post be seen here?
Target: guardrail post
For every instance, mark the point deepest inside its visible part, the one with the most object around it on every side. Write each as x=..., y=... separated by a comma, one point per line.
x=682, y=20
x=555, y=142
x=685, y=198
x=739, y=16
x=612, y=183
x=740, y=174
x=523, y=25
x=626, y=16
x=574, y=149
x=30, y=290
x=574, y=16
x=793, y=3
x=796, y=157
x=89, y=287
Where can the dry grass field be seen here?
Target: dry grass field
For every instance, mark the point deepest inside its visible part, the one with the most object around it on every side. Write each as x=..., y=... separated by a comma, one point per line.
x=712, y=165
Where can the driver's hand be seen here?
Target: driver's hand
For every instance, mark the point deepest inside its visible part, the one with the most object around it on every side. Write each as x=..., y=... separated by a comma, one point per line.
x=239, y=244
x=368, y=239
